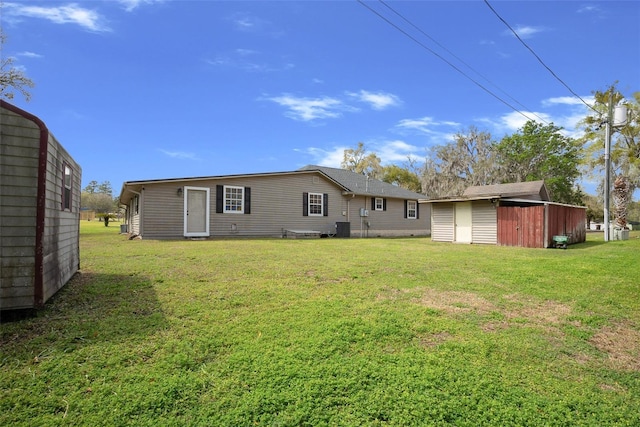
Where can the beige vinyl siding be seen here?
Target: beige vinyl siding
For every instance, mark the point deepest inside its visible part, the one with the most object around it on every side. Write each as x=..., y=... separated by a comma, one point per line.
x=276, y=205
x=387, y=223
x=442, y=222
x=484, y=222
x=134, y=218
x=276, y=202
x=19, y=149
x=161, y=211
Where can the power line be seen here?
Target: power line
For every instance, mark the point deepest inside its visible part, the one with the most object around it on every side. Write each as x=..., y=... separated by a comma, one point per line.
x=537, y=57
x=462, y=61
x=419, y=43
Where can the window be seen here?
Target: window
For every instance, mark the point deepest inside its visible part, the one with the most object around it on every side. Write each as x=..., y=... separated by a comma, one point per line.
x=315, y=204
x=67, y=188
x=233, y=199
x=136, y=205
x=379, y=204
x=411, y=209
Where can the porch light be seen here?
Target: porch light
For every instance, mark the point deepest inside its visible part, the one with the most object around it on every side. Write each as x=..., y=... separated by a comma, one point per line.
x=179, y=191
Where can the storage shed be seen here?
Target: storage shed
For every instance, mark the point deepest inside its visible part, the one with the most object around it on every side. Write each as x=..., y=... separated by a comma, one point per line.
x=519, y=214
x=39, y=211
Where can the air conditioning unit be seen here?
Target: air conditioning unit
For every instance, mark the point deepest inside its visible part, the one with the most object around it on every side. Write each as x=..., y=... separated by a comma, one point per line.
x=364, y=212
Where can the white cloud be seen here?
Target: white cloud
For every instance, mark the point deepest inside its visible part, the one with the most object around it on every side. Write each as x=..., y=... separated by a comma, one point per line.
x=589, y=9
x=245, y=23
x=179, y=154
x=331, y=158
x=71, y=13
x=512, y=121
x=424, y=125
x=377, y=100
x=525, y=31
x=130, y=5
x=27, y=54
x=389, y=152
x=396, y=151
x=246, y=52
x=248, y=60
x=308, y=109
x=566, y=100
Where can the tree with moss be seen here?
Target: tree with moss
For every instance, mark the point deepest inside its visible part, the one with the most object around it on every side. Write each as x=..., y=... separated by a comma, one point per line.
x=359, y=161
x=12, y=78
x=542, y=152
x=468, y=160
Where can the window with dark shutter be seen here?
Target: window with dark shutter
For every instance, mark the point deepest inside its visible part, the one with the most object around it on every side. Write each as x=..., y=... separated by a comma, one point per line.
x=378, y=204
x=325, y=204
x=305, y=204
x=315, y=204
x=219, y=198
x=247, y=200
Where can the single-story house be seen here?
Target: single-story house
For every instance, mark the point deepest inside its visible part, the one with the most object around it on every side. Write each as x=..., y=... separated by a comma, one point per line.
x=308, y=202
x=518, y=214
x=39, y=211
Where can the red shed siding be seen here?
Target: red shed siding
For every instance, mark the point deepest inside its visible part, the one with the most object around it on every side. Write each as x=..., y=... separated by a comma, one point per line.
x=521, y=226
x=567, y=220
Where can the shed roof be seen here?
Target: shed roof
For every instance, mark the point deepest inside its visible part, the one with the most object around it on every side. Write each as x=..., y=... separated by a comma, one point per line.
x=532, y=190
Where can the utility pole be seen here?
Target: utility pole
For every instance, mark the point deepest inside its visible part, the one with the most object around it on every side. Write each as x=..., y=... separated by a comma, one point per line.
x=619, y=120
x=607, y=166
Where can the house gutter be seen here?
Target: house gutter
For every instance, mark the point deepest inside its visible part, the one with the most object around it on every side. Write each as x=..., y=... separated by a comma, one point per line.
x=38, y=278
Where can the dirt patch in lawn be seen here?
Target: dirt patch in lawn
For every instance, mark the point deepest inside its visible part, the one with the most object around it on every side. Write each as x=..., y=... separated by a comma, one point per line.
x=621, y=343
x=513, y=308
x=453, y=302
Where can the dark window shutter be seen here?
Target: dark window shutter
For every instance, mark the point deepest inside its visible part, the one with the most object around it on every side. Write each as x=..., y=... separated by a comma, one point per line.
x=219, y=198
x=405, y=209
x=373, y=203
x=384, y=204
x=305, y=204
x=247, y=200
x=417, y=210
x=325, y=204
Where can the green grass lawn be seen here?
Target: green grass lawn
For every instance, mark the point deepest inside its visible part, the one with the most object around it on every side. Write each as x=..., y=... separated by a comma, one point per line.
x=335, y=332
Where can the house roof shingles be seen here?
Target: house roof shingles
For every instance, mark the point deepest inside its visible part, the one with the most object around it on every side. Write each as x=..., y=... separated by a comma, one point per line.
x=362, y=185
x=350, y=182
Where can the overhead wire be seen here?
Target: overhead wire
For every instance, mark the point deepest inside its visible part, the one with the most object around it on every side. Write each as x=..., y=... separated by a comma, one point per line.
x=449, y=63
x=461, y=60
x=537, y=57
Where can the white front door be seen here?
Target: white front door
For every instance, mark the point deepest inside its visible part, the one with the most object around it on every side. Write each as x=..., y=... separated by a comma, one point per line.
x=196, y=212
x=463, y=222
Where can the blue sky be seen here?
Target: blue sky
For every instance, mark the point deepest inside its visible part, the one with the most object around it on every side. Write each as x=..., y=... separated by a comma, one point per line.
x=144, y=89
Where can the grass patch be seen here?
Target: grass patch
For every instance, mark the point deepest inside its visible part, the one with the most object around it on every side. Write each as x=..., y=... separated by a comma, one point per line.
x=345, y=332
